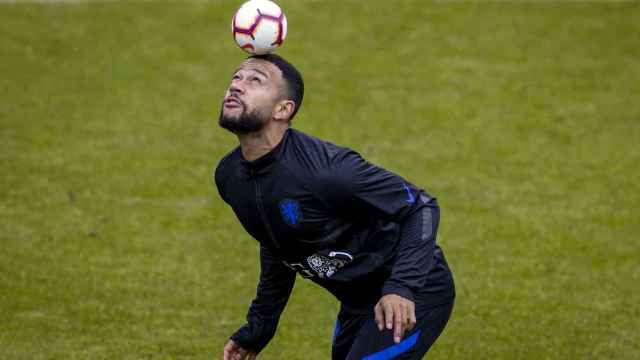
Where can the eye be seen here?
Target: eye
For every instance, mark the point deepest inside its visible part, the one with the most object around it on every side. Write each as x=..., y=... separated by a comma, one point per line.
x=256, y=79
x=235, y=77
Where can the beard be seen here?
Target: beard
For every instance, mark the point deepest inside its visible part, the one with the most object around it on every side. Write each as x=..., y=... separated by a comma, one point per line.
x=246, y=123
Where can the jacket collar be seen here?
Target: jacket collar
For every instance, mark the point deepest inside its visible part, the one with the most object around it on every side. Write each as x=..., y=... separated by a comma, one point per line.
x=264, y=163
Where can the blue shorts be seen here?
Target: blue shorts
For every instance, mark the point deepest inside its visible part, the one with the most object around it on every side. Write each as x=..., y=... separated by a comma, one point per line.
x=356, y=336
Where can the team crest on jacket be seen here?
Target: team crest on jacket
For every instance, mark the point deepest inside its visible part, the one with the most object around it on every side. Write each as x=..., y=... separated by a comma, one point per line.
x=291, y=212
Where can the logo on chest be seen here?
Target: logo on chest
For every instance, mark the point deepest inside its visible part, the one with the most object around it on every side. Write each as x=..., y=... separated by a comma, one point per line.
x=290, y=212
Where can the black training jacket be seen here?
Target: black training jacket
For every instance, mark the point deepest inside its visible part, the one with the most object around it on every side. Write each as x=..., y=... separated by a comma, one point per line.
x=323, y=212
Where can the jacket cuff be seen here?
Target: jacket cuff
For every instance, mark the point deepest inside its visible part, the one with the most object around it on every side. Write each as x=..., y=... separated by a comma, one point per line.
x=392, y=288
x=240, y=337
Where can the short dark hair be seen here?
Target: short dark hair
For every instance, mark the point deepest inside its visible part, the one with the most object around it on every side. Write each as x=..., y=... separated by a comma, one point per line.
x=293, y=80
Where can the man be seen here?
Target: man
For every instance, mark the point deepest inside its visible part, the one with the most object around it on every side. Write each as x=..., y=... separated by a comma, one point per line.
x=321, y=211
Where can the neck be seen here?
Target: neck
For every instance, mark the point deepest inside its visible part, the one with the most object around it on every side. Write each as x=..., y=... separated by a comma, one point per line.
x=257, y=144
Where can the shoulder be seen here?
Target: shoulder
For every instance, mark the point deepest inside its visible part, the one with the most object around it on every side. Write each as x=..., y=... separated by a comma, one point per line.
x=227, y=160
x=316, y=154
x=325, y=165
x=226, y=165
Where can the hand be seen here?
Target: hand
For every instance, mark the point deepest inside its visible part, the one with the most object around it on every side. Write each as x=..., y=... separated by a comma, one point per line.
x=233, y=351
x=396, y=313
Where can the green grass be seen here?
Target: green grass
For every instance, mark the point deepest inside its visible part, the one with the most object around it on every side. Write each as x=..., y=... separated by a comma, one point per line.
x=523, y=118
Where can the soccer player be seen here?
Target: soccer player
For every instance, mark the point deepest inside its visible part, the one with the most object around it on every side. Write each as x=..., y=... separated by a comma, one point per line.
x=365, y=234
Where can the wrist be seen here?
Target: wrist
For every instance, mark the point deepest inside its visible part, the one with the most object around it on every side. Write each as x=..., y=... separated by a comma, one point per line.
x=391, y=288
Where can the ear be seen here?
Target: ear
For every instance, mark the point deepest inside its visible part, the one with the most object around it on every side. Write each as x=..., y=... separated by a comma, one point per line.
x=283, y=110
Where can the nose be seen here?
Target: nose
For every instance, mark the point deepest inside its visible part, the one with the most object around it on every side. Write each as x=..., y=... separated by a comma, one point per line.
x=236, y=87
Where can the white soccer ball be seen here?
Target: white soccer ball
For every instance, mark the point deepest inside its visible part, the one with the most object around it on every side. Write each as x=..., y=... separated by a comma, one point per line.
x=259, y=26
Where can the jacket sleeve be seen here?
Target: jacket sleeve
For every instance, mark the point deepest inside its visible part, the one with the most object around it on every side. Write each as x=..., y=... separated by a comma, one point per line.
x=359, y=188
x=416, y=249
x=274, y=289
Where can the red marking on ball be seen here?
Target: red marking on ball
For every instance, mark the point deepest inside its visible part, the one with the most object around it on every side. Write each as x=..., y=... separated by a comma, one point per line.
x=252, y=29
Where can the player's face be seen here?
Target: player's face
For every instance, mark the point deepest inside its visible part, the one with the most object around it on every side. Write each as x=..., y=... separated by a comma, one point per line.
x=251, y=98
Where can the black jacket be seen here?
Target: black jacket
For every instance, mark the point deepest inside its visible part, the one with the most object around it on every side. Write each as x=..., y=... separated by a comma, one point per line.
x=324, y=212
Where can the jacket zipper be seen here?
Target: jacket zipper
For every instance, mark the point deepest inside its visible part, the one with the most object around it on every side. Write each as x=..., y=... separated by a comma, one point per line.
x=263, y=215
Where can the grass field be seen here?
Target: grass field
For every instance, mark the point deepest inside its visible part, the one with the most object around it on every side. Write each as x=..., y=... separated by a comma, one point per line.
x=523, y=118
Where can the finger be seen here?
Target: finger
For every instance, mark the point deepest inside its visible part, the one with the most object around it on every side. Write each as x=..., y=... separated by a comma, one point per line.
x=412, y=317
x=379, y=316
x=388, y=315
x=252, y=356
x=229, y=349
x=399, y=323
x=241, y=354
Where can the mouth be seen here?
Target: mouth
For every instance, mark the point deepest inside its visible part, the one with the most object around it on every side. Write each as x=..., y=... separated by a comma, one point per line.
x=232, y=102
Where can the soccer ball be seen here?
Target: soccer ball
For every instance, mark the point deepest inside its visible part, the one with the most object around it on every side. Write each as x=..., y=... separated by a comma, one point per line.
x=259, y=26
